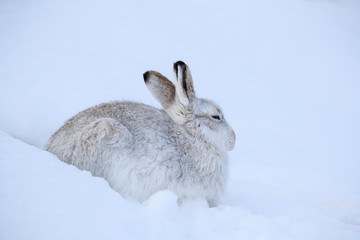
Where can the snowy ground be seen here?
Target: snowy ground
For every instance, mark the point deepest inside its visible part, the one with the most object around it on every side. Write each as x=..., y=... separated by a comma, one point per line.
x=286, y=74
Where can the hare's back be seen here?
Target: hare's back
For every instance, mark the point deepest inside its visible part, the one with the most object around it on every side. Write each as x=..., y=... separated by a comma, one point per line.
x=136, y=117
x=146, y=128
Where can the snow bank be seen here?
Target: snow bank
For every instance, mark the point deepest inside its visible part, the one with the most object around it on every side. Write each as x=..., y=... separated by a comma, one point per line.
x=43, y=198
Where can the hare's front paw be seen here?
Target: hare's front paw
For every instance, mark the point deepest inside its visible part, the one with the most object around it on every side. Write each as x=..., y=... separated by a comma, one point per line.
x=213, y=202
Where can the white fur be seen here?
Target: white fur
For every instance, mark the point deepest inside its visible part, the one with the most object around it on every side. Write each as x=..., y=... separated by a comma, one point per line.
x=140, y=150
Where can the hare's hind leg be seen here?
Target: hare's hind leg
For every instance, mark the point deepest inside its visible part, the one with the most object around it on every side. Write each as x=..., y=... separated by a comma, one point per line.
x=98, y=143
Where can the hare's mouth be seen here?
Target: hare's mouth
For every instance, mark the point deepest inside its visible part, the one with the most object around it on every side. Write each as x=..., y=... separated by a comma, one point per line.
x=231, y=144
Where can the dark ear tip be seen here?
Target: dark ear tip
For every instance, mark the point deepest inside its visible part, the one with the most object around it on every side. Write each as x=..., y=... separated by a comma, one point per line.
x=179, y=64
x=146, y=76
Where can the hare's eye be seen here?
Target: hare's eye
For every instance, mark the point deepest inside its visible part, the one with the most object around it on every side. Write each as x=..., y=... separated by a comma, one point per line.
x=216, y=117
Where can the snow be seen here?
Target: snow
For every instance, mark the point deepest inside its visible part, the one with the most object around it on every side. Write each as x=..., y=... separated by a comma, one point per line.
x=286, y=74
x=42, y=198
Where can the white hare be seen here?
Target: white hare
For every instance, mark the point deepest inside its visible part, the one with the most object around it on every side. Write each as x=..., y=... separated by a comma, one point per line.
x=140, y=150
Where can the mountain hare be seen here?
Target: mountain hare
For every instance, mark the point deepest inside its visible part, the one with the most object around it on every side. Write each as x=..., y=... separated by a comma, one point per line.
x=140, y=150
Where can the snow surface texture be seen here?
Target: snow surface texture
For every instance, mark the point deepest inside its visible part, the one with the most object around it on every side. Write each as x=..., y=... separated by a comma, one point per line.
x=286, y=74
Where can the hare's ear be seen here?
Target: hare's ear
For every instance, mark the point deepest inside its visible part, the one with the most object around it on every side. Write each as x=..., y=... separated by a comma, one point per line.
x=184, y=83
x=160, y=87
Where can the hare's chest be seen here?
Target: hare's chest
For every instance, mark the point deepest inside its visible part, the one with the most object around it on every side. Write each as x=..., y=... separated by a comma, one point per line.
x=204, y=176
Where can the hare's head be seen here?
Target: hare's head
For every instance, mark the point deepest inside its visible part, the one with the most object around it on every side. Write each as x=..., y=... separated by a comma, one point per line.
x=200, y=117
